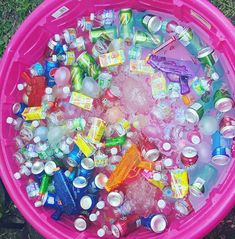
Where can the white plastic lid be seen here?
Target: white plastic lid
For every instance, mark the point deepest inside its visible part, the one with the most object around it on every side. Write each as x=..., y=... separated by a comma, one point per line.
x=35, y=123
x=54, y=58
x=9, y=120
x=80, y=224
x=17, y=175
x=20, y=87
x=92, y=16
x=101, y=232
x=85, y=202
x=93, y=217
x=65, y=48
x=66, y=90
x=38, y=204
x=115, y=199
x=179, y=29
x=157, y=176
x=36, y=139
x=168, y=162
x=114, y=151
x=69, y=141
x=161, y=204
x=57, y=37
x=196, y=139
x=67, y=173
x=48, y=90
x=215, y=76
x=166, y=146
x=100, y=205
x=28, y=164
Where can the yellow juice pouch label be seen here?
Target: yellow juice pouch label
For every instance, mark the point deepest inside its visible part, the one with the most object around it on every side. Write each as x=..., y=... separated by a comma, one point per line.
x=96, y=131
x=179, y=183
x=158, y=85
x=86, y=147
x=157, y=184
x=140, y=67
x=81, y=100
x=33, y=113
x=113, y=58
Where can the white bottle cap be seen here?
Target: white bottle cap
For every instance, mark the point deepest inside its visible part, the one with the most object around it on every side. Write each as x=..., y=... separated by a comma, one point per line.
x=10, y=120
x=67, y=173
x=57, y=37
x=215, y=76
x=48, y=90
x=168, y=162
x=17, y=176
x=114, y=151
x=195, y=139
x=101, y=232
x=36, y=139
x=54, y=58
x=92, y=16
x=20, y=87
x=100, y=205
x=166, y=146
x=179, y=29
x=157, y=176
x=69, y=141
x=161, y=204
x=35, y=123
x=38, y=204
x=66, y=90
x=65, y=48
x=28, y=164
x=93, y=217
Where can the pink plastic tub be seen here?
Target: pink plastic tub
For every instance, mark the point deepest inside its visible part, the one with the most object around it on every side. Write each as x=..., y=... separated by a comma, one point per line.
x=28, y=45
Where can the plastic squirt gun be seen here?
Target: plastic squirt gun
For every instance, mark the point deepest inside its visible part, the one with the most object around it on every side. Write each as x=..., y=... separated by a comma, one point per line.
x=131, y=162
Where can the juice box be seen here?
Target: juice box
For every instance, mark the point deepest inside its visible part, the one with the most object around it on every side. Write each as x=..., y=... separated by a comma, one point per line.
x=84, y=145
x=97, y=130
x=33, y=113
x=179, y=183
x=140, y=67
x=113, y=58
x=80, y=100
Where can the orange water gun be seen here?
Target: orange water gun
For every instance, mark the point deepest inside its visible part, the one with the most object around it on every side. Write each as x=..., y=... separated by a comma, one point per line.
x=132, y=161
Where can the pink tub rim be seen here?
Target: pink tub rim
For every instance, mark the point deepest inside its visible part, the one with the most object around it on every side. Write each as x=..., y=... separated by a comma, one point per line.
x=227, y=190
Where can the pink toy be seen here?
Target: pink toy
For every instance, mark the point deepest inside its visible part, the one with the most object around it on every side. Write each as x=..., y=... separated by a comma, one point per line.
x=29, y=43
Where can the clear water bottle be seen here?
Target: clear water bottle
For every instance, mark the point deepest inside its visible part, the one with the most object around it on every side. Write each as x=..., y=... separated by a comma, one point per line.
x=23, y=171
x=103, y=18
x=17, y=123
x=48, y=99
x=32, y=189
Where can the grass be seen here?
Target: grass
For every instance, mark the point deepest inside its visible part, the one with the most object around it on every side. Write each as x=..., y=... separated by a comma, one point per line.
x=13, y=12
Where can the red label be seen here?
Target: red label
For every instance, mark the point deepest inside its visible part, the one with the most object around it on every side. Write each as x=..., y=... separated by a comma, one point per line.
x=52, y=72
